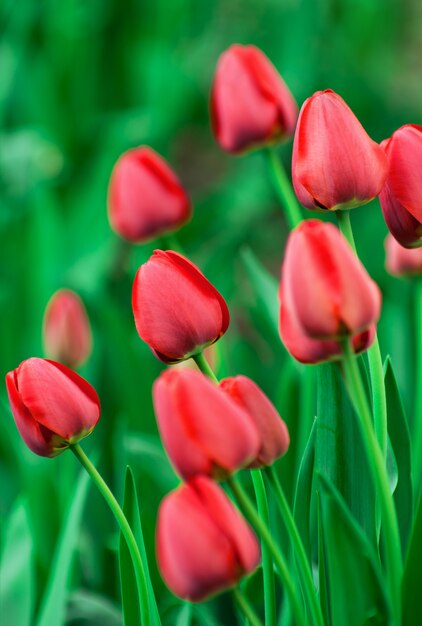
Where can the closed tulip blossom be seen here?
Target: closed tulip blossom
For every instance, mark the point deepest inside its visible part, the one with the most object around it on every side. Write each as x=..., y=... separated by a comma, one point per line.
x=251, y=106
x=402, y=261
x=274, y=436
x=145, y=197
x=67, y=334
x=325, y=292
x=335, y=164
x=203, y=544
x=52, y=406
x=401, y=197
x=176, y=309
x=204, y=431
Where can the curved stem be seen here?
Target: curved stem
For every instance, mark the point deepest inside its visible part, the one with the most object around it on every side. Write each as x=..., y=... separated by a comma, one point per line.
x=108, y=496
x=417, y=417
x=267, y=562
x=379, y=476
x=284, y=189
x=265, y=534
x=204, y=366
x=246, y=608
x=302, y=560
x=376, y=371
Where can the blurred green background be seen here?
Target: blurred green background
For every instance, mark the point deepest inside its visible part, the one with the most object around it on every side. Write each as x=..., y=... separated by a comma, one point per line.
x=82, y=81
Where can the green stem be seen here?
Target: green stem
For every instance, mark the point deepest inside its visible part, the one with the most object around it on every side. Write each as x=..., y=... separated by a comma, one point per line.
x=171, y=242
x=267, y=562
x=378, y=470
x=284, y=189
x=302, y=560
x=264, y=532
x=204, y=366
x=376, y=372
x=417, y=417
x=246, y=608
x=105, y=491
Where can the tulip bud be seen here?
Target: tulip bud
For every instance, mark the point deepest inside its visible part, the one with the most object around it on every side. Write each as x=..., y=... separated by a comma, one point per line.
x=145, y=197
x=203, y=430
x=52, y=406
x=335, y=164
x=325, y=291
x=177, y=311
x=273, y=431
x=402, y=261
x=251, y=106
x=203, y=543
x=66, y=330
x=401, y=197
x=312, y=351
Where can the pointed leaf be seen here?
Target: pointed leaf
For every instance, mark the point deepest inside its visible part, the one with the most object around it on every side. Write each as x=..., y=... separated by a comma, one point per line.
x=303, y=495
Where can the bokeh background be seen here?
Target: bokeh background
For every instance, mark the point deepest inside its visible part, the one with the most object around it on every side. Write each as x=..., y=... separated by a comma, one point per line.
x=82, y=81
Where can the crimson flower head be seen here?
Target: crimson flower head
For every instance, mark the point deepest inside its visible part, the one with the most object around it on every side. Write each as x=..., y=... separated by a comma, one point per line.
x=325, y=293
x=204, y=431
x=401, y=197
x=402, y=261
x=66, y=330
x=274, y=436
x=145, y=197
x=251, y=106
x=335, y=164
x=177, y=311
x=203, y=544
x=53, y=407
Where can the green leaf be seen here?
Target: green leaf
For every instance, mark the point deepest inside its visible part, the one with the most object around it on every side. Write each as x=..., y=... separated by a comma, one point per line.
x=90, y=609
x=127, y=574
x=339, y=453
x=351, y=563
x=303, y=494
x=411, y=587
x=16, y=569
x=53, y=604
x=400, y=441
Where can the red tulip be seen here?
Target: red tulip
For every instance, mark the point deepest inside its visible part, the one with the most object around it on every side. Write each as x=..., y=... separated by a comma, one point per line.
x=401, y=197
x=335, y=164
x=402, y=261
x=325, y=291
x=203, y=544
x=250, y=104
x=145, y=198
x=53, y=407
x=273, y=431
x=203, y=430
x=177, y=311
x=66, y=330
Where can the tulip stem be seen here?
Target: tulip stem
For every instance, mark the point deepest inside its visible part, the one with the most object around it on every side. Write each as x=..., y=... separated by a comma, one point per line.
x=265, y=534
x=377, y=467
x=170, y=242
x=246, y=608
x=267, y=561
x=204, y=366
x=108, y=496
x=297, y=544
x=284, y=189
x=417, y=417
x=376, y=372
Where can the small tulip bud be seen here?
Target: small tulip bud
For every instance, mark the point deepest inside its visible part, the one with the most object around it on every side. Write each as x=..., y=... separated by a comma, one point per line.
x=53, y=407
x=204, y=545
x=251, y=106
x=177, y=311
x=335, y=164
x=402, y=261
x=401, y=197
x=145, y=197
x=203, y=430
x=325, y=291
x=273, y=431
x=66, y=330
